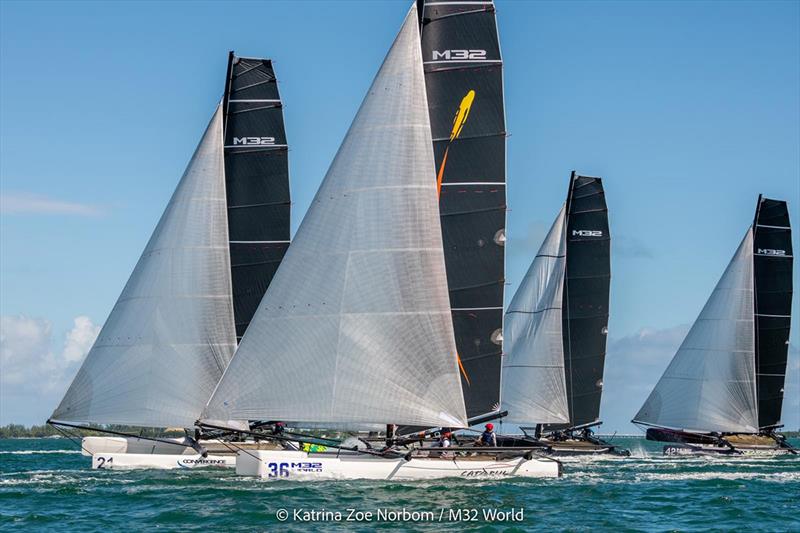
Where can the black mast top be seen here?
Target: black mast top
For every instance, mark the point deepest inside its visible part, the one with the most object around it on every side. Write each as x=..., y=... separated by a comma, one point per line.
x=257, y=181
x=772, y=280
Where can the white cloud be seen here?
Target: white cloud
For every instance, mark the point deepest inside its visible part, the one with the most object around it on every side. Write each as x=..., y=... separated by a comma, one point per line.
x=635, y=363
x=27, y=203
x=27, y=359
x=79, y=339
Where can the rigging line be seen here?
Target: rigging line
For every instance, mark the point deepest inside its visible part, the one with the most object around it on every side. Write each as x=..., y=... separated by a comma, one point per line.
x=250, y=109
x=70, y=437
x=470, y=137
x=252, y=68
x=460, y=13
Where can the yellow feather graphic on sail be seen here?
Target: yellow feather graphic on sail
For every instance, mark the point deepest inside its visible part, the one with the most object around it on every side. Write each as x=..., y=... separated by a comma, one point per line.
x=458, y=124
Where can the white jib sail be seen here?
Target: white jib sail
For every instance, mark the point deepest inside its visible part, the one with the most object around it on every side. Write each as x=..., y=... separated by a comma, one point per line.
x=533, y=382
x=171, y=333
x=355, y=328
x=710, y=384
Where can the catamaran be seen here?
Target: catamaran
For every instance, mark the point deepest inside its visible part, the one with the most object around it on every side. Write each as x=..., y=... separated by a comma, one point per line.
x=556, y=328
x=723, y=391
x=355, y=331
x=194, y=290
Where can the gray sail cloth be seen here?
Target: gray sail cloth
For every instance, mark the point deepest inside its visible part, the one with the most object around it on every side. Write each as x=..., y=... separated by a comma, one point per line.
x=171, y=334
x=355, y=328
x=710, y=384
x=533, y=384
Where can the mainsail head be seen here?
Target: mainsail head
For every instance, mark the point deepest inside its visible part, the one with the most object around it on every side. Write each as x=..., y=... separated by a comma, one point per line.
x=355, y=328
x=171, y=334
x=534, y=389
x=710, y=385
x=257, y=181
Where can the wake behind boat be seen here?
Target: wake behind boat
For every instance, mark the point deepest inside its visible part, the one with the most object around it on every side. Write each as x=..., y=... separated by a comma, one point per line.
x=723, y=391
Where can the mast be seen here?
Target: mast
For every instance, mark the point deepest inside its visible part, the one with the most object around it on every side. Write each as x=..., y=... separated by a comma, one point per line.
x=356, y=330
x=772, y=280
x=257, y=174
x=464, y=82
x=170, y=334
x=585, y=297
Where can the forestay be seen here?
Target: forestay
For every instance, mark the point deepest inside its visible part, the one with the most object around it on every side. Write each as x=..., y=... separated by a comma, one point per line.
x=355, y=328
x=534, y=388
x=710, y=384
x=171, y=334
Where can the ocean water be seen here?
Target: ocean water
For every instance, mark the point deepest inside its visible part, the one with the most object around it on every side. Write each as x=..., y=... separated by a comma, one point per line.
x=45, y=484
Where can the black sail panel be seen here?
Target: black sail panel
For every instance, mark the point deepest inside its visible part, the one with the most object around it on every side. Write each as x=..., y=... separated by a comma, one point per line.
x=257, y=181
x=464, y=83
x=585, y=298
x=772, y=277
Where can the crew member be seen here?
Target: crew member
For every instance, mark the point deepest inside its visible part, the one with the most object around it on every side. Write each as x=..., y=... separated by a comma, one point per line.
x=488, y=437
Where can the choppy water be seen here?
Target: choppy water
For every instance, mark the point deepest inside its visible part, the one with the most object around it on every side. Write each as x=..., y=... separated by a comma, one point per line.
x=45, y=484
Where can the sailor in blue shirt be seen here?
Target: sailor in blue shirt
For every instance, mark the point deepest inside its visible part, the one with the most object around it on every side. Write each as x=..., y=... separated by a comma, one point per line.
x=488, y=437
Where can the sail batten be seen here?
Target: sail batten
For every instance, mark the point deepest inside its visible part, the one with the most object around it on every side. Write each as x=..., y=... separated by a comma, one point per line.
x=171, y=333
x=355, y=329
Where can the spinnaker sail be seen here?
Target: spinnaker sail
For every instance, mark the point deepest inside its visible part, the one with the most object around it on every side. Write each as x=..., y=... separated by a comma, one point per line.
x=257, y=180
x=171, y=333
x=464, y=83
x=355, y=329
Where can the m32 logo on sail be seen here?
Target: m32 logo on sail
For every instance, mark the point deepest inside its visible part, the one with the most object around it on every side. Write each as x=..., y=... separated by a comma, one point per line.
x=251, y=141
x=587, y=233
x=770, y=251
x=459, y=55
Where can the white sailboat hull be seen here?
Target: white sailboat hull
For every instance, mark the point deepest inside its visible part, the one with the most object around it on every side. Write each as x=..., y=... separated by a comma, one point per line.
x=159, y=461
x=298, y=465
x=114, y=445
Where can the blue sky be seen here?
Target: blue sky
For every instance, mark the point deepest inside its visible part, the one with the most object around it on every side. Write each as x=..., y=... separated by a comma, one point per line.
x=687, y=109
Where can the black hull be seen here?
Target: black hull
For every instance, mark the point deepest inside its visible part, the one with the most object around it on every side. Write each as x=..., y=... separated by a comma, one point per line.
x=575, y=446
x=683, y=443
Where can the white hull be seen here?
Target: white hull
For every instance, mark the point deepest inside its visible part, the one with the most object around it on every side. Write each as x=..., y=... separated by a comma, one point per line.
x=160, y=461
x=105, y=445
x=315, y=466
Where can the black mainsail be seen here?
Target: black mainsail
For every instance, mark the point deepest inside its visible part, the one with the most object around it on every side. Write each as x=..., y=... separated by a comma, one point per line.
x=772, y=284
x=257, y=181
x=585, y=298
x=464, y=84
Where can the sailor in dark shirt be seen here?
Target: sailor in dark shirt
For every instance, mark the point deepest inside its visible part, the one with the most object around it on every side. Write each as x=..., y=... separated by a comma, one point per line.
x=488, y=437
